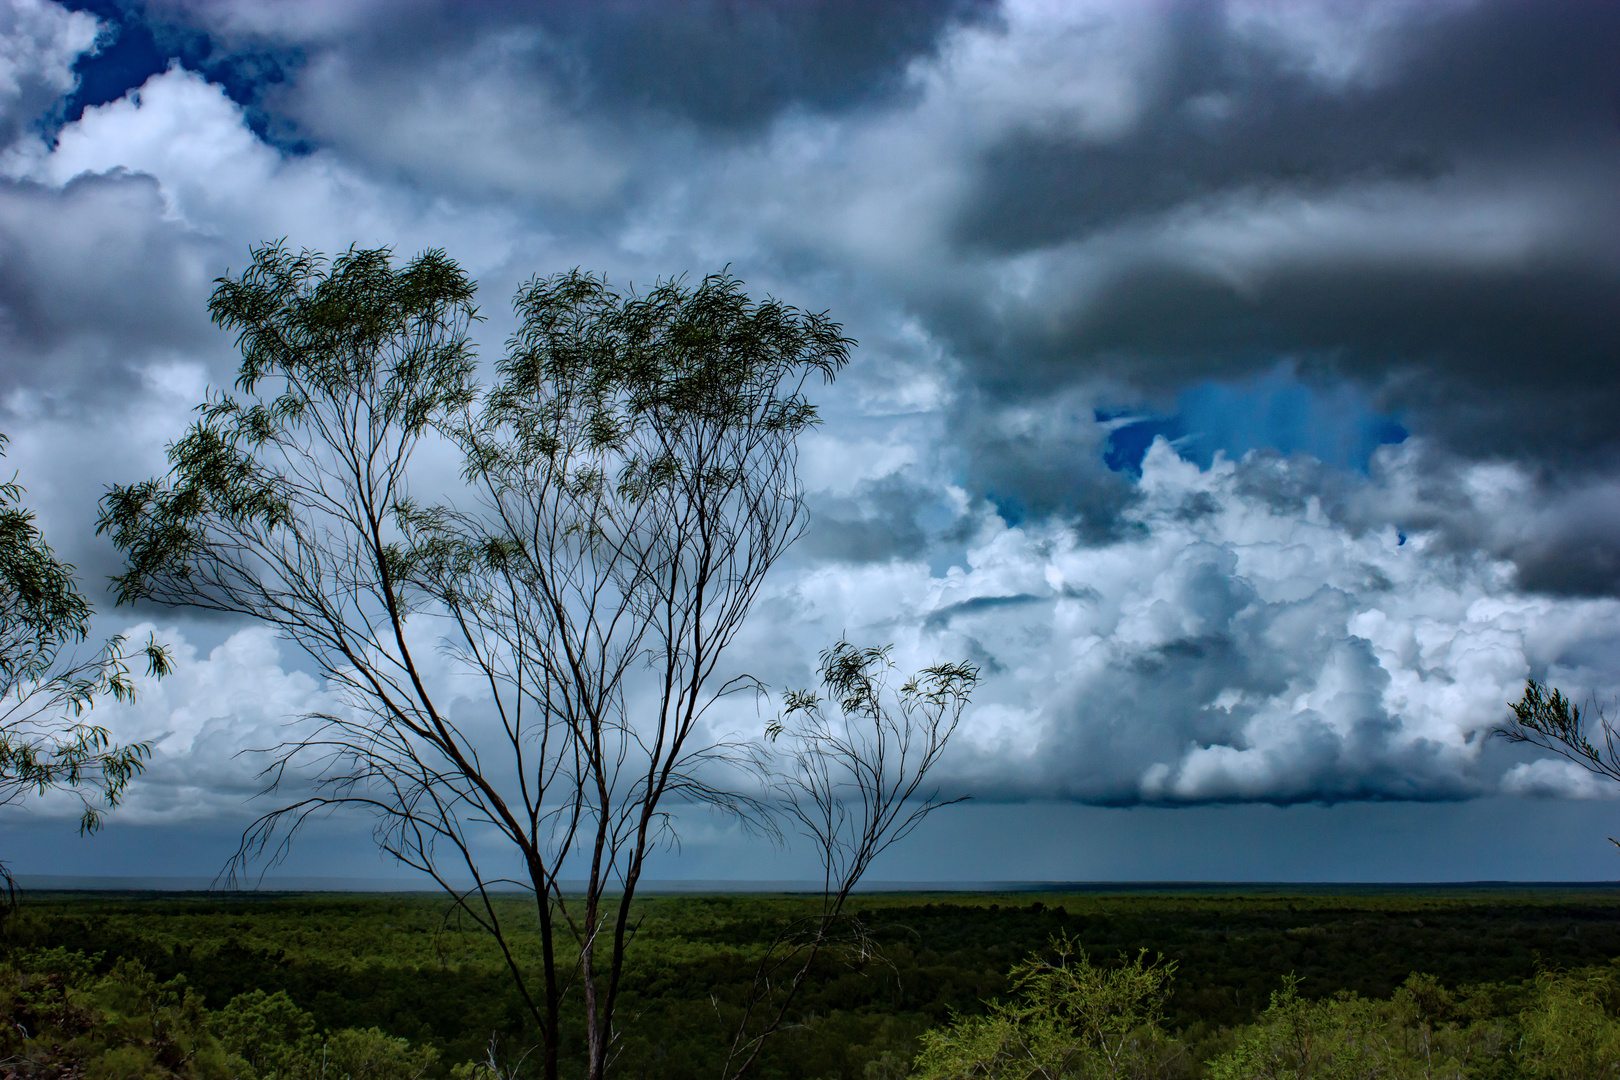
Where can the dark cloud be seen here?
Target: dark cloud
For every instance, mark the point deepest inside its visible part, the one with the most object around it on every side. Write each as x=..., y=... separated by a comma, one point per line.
x=1585, y=562
x=1040, y=457
x=940, y=618
x=722, y=64
x=95, y=280
x=1233, y=114
x=592, y=109
x=732, y=64
x=1559, y=528
x=880, y=520
x=1496, y=360
x=103, y=313
x=1498, y=333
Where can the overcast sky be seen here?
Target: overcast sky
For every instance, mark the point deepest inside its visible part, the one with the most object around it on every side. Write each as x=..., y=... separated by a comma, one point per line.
x=1237, y=382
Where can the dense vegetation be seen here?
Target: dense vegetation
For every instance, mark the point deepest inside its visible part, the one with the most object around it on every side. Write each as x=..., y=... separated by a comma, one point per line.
x=328, y=976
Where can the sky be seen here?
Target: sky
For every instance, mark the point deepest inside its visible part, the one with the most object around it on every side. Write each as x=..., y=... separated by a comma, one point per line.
x=1236, y=381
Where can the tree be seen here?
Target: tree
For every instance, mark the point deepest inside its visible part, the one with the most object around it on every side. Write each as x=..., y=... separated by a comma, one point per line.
x=630, y=477
x=46, y=686
x=853, y=786
x=636, y=462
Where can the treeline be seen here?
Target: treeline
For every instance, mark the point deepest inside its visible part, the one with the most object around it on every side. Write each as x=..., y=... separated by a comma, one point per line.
x=390, y=975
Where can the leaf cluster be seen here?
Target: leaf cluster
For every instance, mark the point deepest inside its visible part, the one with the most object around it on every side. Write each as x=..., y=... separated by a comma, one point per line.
x=358, y=355
x=45, y=688
x=689, y=361
x=1544, y=717
x=855, y=785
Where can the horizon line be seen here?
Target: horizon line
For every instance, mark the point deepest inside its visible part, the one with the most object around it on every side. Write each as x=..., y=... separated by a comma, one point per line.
x=740, y=886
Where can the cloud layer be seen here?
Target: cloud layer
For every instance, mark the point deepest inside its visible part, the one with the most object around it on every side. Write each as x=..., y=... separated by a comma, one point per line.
x=1231, y=645
x=1232, y=648
x=1052, y=226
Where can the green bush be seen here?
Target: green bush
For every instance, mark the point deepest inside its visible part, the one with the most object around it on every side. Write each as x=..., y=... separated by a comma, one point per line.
x=267, y=1033
x=59, y=1019
x=1070, y=1018
x=369, y=1054
x=271, y=1038
x=1347, y=1037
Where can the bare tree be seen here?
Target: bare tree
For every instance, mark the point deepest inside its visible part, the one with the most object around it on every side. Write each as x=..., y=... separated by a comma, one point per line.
x=47, y=685
x=630, y=478
x=854, y=785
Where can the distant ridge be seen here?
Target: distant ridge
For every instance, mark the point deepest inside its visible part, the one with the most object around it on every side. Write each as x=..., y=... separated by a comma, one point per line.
x=96, y=883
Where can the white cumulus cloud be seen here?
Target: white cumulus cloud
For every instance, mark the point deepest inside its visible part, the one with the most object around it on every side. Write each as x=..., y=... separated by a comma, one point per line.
x=1556, y=778
x=1226, y=648
x=39, y=43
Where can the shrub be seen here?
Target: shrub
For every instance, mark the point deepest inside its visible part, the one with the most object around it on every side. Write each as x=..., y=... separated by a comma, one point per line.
x=1570, y=1030
x=1070, y=1018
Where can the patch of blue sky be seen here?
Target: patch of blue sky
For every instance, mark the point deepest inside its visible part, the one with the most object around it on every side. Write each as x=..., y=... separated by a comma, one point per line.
x=1336, y=424
x=134, y=48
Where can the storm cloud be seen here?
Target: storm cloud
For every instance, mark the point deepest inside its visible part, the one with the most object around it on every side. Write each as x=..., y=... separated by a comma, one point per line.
x=1433, y=219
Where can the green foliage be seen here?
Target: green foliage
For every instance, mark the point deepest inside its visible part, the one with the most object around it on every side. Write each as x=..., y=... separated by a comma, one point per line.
x=59, y=1019
x=361, y=356
x=45, y=689
x=364, y=1054
x=1570, y=1029
x=394, y=963
x=688, y=364
x=267, y=1031
x=1544, y=717
x=1070, y=1018
x=273, y=1039
x=1566, y=1029
x=1545, y=710
x=270, y=1038
x=40, y=603
x=1347, y=1037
